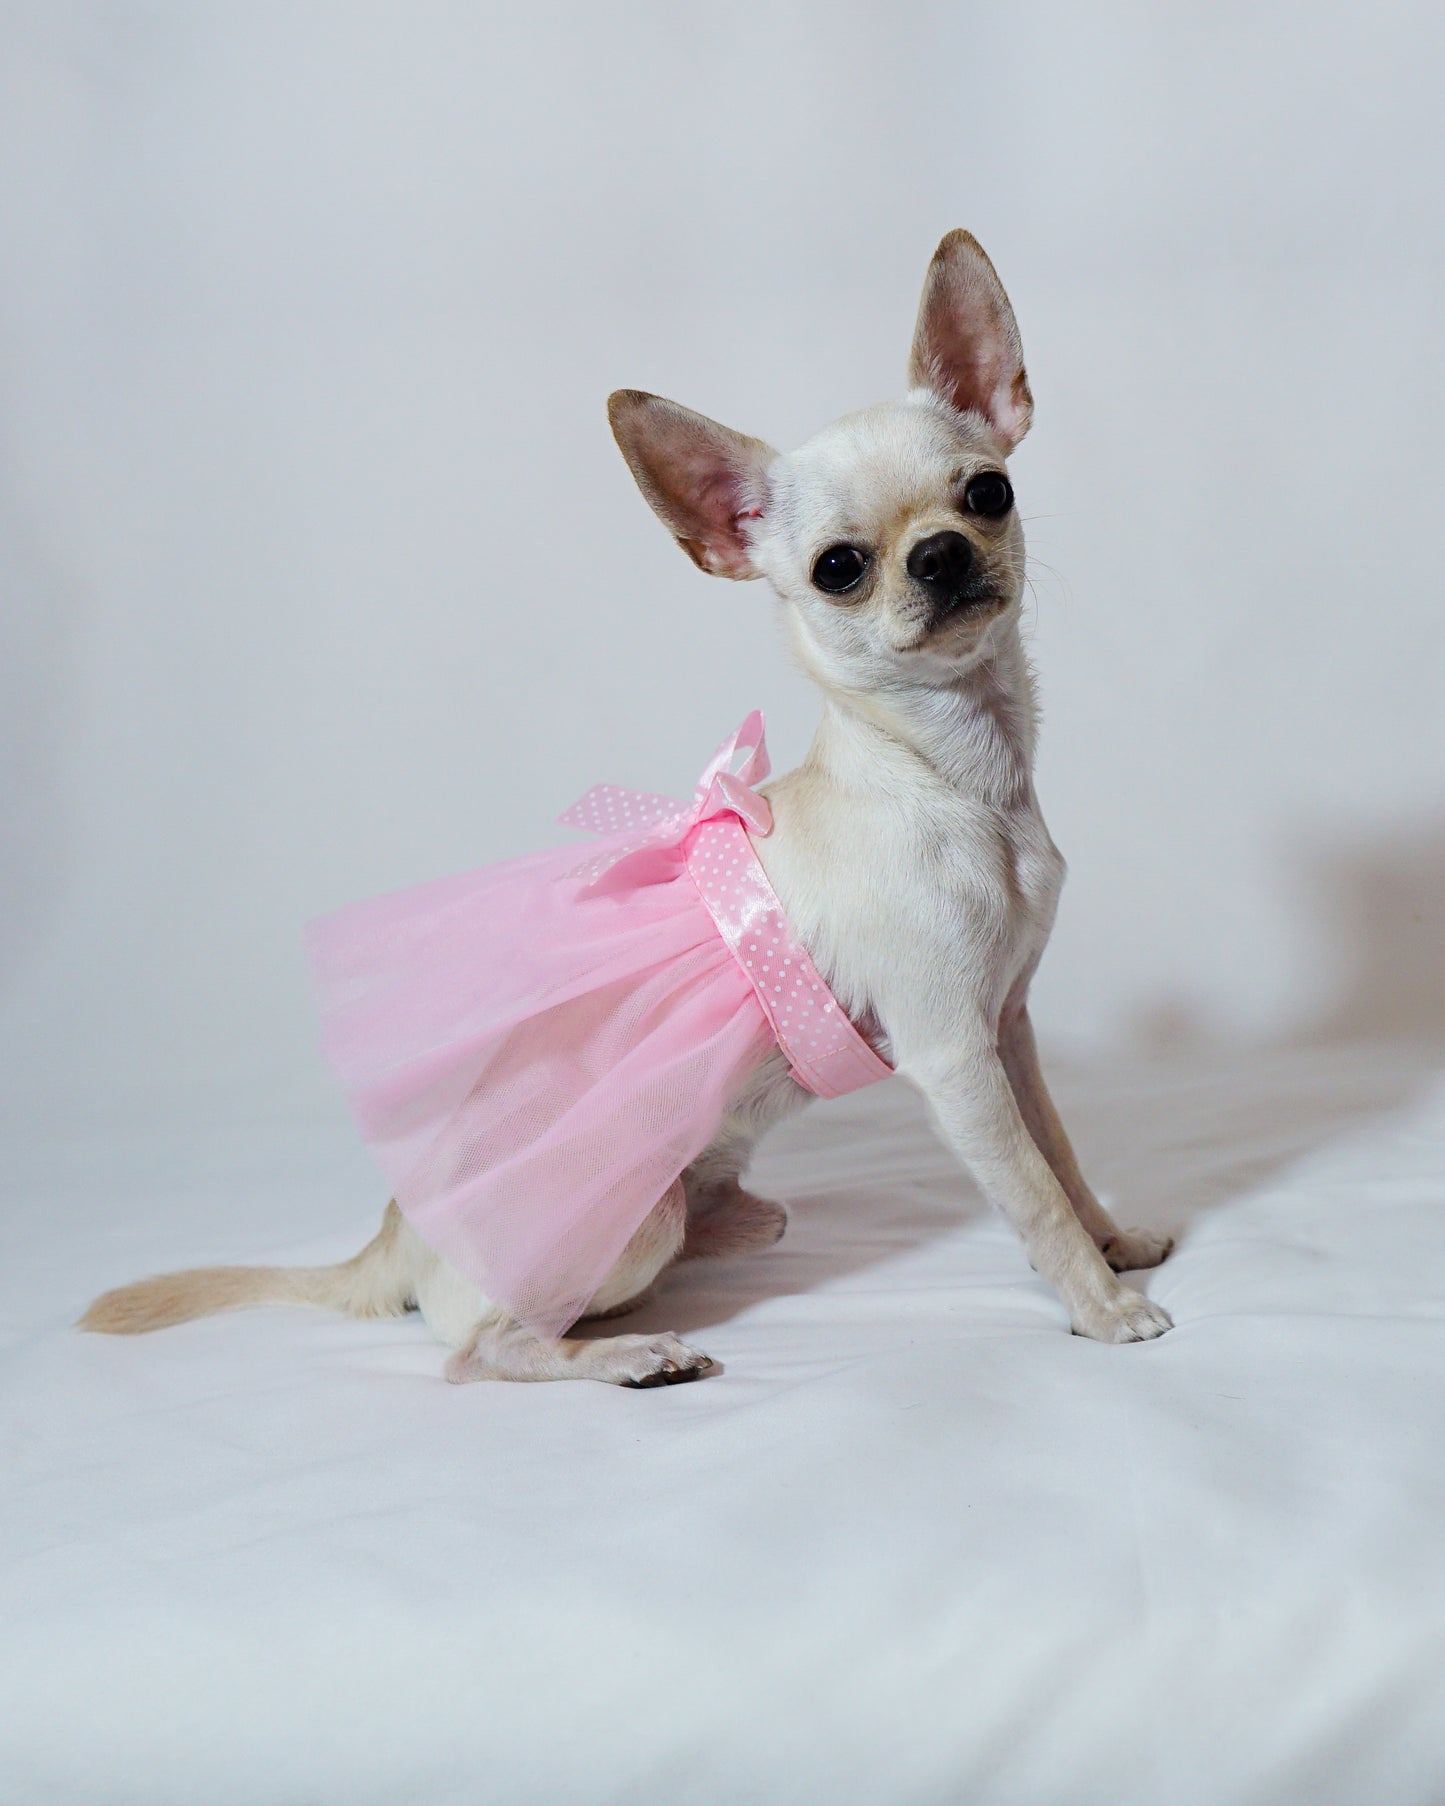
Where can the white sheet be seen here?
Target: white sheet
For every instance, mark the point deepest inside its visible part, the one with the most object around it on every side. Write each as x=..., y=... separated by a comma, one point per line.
x=914, y=1544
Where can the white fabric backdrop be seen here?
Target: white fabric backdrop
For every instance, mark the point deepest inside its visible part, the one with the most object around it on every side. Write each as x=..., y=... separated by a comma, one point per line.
x=915, y=1545
x=323, y=574
x=319, y=574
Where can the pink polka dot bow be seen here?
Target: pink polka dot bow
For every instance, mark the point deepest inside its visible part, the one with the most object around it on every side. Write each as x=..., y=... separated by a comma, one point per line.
x=646, y=838
x=637, y=821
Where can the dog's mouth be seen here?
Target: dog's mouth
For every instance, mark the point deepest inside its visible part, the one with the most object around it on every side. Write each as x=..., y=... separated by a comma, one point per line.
x=968, y=604
x=950, y=628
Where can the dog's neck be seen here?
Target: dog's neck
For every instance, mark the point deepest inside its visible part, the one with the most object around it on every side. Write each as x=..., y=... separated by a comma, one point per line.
x=974, y=736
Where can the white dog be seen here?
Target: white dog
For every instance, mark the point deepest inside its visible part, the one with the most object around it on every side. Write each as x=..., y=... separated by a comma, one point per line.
x=892, y=540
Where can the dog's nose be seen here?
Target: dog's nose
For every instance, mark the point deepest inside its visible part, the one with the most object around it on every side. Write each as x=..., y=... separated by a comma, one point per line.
x=942, y=561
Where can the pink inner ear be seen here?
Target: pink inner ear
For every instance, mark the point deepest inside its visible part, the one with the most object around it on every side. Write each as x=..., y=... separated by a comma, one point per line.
x=706, y=482
x=721, y=513
x=986, y=380
x=1011, y=409
x=966, y=348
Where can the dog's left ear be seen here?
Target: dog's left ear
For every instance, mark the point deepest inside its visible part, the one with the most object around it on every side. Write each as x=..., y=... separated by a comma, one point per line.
x=703, y=481
x=966, y=347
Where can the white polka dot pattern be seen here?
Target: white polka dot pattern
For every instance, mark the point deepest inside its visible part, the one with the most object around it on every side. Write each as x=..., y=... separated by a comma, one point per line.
x=827, y=1054
x=610, y=811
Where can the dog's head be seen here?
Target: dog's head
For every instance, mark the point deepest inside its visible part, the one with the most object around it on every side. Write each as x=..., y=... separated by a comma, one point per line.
x=891, y=536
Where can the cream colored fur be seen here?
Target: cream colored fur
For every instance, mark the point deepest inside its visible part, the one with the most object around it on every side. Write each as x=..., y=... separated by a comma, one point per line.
x=908, y=851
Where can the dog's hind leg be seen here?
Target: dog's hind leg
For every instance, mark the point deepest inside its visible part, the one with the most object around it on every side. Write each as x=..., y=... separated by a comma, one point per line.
x=723, y=1217
x=490, y=1345
x=501, y=1349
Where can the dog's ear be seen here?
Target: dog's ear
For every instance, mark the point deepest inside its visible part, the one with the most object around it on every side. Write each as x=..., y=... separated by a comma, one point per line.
x=704, y=481
x=966, y=347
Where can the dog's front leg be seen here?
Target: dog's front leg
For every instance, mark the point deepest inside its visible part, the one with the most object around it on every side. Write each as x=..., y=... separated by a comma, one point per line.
x=975, y=1107
x=1124, y=1249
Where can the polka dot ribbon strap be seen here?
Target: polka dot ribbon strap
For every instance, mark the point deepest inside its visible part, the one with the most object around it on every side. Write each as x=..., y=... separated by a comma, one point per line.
x=827, y=1054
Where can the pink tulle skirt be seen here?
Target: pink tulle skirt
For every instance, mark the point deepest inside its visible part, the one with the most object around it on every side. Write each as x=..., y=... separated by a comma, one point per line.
x=535, y=1051
x=532, y=1068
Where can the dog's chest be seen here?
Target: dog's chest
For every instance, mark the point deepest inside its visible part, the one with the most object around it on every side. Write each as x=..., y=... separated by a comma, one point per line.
x=992, y=875
x=941, y=906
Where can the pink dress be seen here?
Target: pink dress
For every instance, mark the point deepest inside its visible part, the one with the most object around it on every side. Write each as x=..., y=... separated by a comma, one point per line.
x=535, y=1051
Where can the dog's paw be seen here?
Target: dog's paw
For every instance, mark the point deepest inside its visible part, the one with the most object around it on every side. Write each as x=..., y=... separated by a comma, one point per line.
x=1127, y=1317
x=725, y=1219
x=1131, y=1250
x=661, y=1360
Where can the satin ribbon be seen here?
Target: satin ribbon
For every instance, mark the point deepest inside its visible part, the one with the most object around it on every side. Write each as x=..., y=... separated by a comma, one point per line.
x=614, y=813
x=827, y=1054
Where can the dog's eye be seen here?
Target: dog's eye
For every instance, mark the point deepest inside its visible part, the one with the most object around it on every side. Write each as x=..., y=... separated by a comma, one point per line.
x=839, y=568
x=989, y=493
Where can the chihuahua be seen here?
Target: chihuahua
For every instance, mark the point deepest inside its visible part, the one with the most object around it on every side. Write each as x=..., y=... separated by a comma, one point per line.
x=893, y=542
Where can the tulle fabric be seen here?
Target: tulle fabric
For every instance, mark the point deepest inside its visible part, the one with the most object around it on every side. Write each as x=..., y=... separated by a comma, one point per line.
x=534, y=1055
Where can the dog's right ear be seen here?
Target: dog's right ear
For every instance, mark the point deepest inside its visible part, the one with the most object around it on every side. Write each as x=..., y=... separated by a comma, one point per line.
x=703, y=481
x=966, y=347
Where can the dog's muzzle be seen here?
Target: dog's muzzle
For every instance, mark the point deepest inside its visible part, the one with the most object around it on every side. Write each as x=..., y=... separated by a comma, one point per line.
x=945, y=568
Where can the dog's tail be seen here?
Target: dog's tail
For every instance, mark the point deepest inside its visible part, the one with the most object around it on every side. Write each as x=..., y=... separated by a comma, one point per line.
x=374, y=1283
